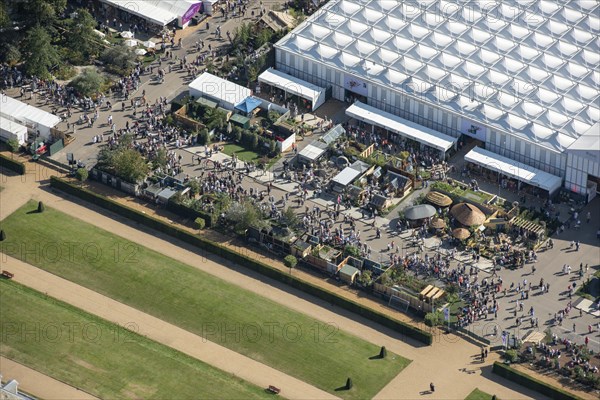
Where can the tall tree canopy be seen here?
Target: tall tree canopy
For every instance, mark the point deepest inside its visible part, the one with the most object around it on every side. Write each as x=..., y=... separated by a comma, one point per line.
x=39, y=54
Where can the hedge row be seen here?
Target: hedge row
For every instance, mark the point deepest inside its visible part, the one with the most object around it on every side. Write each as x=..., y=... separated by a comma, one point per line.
x=243, y=260
x=521, y=378
x=188, y=212
x=13, y=165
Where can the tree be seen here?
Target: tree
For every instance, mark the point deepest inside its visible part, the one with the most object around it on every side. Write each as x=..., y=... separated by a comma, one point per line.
x=10, y=54
x=123, y=162
x=2, y=235
x=41, y=207
x=203, y=137
x=88, y=83
x=290, y=261
x=80, y=37
x=39, y=54
x=351, y=250
x=40, y=12
x=13, y=145
x=289, y=218
x=160, y=160
x=434, y=318
x=118, y=59
x=383, y=352
x=244, y=215
x=348, y=383
x=200, y=223
x=81, y=174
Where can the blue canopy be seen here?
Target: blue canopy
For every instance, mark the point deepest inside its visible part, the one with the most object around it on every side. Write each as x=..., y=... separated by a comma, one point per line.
x=248, y=105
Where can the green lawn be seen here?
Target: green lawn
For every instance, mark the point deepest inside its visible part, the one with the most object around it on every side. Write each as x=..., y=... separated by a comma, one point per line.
x=478, y=395
x=242, y=153
x=101, y=358
x=245, y=322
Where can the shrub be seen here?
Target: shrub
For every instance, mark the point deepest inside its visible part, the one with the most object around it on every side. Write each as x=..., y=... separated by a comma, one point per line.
x=81, y=174
x=290, y=261
x=349, y=383
x=351, y=250
x=203, y=137
x=434, y=318
x=511, y=355
x=383, y=352
x=13, y=165
x=13, y=145
x=2, y=235
x=41, y=207
x=200, y=223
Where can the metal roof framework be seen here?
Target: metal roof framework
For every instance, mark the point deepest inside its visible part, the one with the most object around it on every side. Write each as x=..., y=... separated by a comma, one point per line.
x=542, y=55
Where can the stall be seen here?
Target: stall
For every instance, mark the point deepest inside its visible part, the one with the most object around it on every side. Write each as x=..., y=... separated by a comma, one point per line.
x=292, y=85
x=12, y=130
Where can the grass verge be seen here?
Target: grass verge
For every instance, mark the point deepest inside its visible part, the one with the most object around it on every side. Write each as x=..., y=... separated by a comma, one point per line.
x=315, y=352
x=102, y=358
x=478, y=395
x=242, y=153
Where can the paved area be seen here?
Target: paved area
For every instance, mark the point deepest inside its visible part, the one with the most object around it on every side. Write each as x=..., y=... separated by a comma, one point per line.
x=38, y=384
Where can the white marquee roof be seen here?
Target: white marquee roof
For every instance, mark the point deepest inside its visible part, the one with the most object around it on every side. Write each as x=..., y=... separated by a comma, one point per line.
x=543, y=55
x=291, y=84
x=220, y=89
x=411, y=130
x=514, y=169
x=23, y=113
x=157, y=11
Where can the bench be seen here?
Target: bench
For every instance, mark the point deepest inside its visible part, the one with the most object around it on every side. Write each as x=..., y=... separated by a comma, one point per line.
x=273, y=389
x=7, y=275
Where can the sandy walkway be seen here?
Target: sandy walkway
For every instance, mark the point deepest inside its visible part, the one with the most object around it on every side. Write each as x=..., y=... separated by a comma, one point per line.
x=38, y=384
x=162, y=332
x=447, y=362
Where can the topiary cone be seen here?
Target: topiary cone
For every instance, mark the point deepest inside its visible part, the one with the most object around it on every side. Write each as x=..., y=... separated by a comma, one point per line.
x=2, y=235
x=348, y=383
x=383, y=352
x=41, y=207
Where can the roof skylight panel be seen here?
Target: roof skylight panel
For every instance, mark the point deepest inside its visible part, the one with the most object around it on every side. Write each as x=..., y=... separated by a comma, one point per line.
x=576, y=71
x=443, y=95
x=482, y=92
x=584, y=93
x=508, y=11
x=559, y=84
x=477, y=36
x=407, y=11
x=492, y=24
x=438, y=40
x=394, y=77
x=315, y=31
x=564, y=49
x=532, y=20
x=447, y=61
x=555, y=119
x=516, y=33
x=547, y=7
x=348, y=60
x=472, y=70
x=501, y=45
x=546, y=97
x=368, y=16
x=462, y=49
x=591, y=24
x=509, y=66
x=541, y=41
x=434, y=74
x=580, y=37
x=539, y=132
x=338, y=40
x=372, y=69
x=399, y=44
x=554, y=28
x=426, y=3
x=525, y=3
x=494, y=79
x=550, y=62
x=526, y=53
x=383, y=5
x=392, y=24
x=422, y=52
x=486, y=57
x=431, y=19
x=458, y=83
x=361, y=48
x=515, y=122
x=453, y=28
x=354, y=28
x=470, y=15
x=326, y=52
x=534, y=75
x=569, y=16
x=303, y=44
x=570, y=106
x=529, y=109
x=447, y=8
x=377, y=36
x=467, y=103
x=521, y=88
x=416, y=32
x=590, y=115
x=408, y=65
x=595, y=76
x=385, y=57
x=417, y=85
x=346, y=8
x=585, y=5
x=504, y=100
x=579, y=127
x=330, y=20
x=485, y=6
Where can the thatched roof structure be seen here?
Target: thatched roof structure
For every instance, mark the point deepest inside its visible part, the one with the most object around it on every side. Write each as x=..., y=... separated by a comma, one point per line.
x=438, y=199
x=437, y=223
x=468, y=214
x=461, y=233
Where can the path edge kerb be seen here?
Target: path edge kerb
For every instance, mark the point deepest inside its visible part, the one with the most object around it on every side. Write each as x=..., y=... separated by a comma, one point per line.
x=240, y=259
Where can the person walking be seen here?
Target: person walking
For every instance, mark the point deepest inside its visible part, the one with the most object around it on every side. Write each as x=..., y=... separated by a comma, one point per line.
x=431, y=387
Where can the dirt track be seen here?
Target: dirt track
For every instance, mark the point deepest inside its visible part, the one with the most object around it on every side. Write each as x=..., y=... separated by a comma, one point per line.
x=450, y=362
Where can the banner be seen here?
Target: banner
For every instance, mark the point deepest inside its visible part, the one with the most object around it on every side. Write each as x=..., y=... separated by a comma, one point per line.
x=473, y=129
x=356, y=85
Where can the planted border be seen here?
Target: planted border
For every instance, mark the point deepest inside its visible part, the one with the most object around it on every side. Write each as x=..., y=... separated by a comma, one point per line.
x=231, y=255
x=521, y=378
x=13, y=165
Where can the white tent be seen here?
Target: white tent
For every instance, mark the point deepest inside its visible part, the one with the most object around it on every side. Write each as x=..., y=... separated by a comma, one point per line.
x=160, y=12
x=140, y=52
x=514, y=169
x=126, y=35
x=421, y=134
x=226, y=93
x=130, y=42
x=32, y=117
x=293, y=85
x=12, y=130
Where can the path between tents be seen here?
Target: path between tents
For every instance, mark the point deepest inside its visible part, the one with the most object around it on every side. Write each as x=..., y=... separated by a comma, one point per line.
x=38, y=384
x=162, y=332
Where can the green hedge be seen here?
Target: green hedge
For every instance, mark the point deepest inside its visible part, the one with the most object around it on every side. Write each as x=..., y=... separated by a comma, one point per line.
x=521, y=378
x=188, y=212
x=11, y=164
x=243, y=260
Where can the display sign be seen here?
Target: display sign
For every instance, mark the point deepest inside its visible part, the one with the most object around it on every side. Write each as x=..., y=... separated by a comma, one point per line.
x=190, y=13
x=356, y=85
x=472, y=129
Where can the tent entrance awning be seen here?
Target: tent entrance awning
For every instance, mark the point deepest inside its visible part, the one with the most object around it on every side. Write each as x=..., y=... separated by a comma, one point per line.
x=293, y=85
x=401, y=126
x=145, y=10
x=514, y=169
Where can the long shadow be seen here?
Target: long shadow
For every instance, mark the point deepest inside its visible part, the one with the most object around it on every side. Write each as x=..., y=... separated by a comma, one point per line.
x=45, y=185
x=341, y=389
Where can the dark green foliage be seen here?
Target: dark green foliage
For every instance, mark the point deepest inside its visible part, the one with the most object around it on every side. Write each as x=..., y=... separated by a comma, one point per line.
x=383, y=352
x=11, y=164
x=41, y=207
x=290, y=261
x=348, y=383
x=2, y=235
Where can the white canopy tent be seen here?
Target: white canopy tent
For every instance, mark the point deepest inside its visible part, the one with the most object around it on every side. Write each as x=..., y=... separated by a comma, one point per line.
x=514, y=169
x=312, y=152
x=226, y=93
x=12, y=130
x=293, y=85
x=148, y=10
x=32, y=117
x=346, y=176
x=411, y=130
